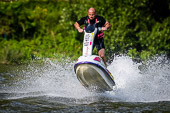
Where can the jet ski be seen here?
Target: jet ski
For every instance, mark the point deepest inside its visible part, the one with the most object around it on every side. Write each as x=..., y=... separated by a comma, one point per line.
x=90, y=69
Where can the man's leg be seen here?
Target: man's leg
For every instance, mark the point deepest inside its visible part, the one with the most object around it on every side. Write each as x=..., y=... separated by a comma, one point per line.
x=102, y=55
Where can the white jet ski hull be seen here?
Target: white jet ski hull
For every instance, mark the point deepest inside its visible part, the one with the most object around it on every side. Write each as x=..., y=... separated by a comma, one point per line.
x=93, y=75
x=90, y=69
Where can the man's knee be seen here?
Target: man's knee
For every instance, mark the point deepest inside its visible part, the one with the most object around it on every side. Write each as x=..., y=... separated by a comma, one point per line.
x=102, y=53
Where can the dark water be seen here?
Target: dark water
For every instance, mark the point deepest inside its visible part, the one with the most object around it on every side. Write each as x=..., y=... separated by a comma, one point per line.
x=53, y=87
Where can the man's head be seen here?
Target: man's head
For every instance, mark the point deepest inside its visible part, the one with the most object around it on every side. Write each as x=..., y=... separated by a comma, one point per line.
x=91, y=13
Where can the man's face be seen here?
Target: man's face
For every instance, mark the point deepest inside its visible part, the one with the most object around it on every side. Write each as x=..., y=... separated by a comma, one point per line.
x=91, y=15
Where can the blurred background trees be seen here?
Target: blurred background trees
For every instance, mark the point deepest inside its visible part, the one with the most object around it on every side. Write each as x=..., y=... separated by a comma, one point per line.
x=30, y=29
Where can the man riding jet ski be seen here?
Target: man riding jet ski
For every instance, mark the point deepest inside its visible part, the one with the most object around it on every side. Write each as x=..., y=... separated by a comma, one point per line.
x=91, y=69
x=101, y=23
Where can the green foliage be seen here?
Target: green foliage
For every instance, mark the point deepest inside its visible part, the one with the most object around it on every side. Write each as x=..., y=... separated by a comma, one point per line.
x=31, y=29
x=14, y=51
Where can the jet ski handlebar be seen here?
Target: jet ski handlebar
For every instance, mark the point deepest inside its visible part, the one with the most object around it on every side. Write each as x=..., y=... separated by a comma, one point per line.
x=91, y=28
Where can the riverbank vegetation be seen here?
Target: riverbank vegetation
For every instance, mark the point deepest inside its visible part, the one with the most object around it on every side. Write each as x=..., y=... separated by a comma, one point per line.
x=45, y=29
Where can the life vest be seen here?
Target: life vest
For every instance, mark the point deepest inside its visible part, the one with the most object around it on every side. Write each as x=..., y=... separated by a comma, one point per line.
x=100, y=34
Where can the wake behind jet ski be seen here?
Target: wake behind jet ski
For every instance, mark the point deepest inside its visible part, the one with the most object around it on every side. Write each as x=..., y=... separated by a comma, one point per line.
x=90, y=69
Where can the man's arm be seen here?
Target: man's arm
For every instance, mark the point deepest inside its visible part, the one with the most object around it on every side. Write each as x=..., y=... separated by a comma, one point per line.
x=106, y=26
x=77, y=26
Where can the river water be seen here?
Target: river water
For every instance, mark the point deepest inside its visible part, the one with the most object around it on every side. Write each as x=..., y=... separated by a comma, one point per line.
x=53, y=87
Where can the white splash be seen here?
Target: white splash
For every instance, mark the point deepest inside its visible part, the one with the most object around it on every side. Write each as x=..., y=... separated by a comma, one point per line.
x=135, y=82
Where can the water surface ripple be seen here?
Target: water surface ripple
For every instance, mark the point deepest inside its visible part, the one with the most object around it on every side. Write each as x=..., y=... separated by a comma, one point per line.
x=53, y=87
